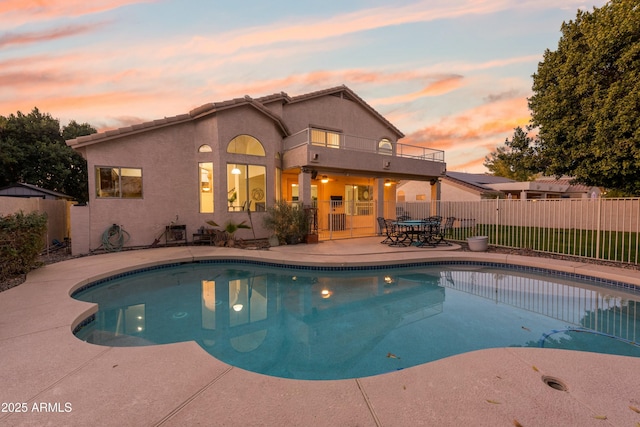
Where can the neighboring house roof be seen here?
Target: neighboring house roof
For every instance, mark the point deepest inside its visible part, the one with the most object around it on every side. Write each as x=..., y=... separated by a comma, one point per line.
x=571, y=188
x=214, y=107
x=21, y=189
x=476, y=181
x=492, y=185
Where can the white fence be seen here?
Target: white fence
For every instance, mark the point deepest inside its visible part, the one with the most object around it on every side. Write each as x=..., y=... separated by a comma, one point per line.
x=605, y=229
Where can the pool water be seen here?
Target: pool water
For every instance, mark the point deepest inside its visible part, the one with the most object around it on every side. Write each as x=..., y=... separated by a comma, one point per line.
x=308, y=324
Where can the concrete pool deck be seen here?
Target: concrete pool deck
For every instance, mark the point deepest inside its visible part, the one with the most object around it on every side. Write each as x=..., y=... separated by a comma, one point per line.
x=55, y=379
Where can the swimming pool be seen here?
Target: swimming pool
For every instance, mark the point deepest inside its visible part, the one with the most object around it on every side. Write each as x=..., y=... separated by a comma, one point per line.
x=348, y=323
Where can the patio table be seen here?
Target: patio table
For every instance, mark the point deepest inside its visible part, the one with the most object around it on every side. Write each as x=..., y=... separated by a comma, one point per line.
x=419, y=230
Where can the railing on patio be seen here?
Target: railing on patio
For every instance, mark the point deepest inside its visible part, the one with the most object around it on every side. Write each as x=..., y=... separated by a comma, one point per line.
x=606, y=229
x=357, y=143
x=343, y=219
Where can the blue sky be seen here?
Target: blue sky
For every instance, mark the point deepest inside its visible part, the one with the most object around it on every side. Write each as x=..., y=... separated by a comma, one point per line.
x=452, y=75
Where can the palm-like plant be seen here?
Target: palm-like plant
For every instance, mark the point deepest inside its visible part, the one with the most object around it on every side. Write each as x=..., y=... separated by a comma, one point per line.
x=230, y=229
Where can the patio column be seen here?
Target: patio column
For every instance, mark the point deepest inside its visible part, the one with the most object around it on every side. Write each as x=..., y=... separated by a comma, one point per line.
x=304, y=188
x=380, y=197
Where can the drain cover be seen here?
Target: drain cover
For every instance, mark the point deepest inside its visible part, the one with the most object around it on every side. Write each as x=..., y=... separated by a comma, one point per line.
x=554, y=383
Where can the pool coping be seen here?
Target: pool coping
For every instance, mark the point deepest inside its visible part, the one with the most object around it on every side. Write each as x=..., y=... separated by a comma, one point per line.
x=179, y=384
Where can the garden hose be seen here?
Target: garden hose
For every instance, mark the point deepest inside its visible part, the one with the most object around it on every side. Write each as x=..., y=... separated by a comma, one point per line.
x=114, y=238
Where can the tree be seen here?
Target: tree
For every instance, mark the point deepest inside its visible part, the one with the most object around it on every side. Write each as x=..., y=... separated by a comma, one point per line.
x=33, y=151
x=586, y=99
x=516, y=160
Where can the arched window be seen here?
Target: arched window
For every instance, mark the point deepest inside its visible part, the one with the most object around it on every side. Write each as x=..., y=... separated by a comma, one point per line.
x=204, y=148
x=245, y=144
x=385, y=147
x=246, y=182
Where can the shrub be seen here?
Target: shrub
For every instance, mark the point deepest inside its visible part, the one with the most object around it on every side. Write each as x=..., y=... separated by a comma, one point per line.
x=290, y=223
x=22, y=238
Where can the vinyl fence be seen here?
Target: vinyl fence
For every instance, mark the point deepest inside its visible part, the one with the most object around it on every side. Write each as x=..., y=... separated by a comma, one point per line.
x=606, y=229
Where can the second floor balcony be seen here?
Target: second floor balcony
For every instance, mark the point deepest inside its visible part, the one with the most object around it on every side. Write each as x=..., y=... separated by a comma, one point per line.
x=323, y=149
x=334, y=140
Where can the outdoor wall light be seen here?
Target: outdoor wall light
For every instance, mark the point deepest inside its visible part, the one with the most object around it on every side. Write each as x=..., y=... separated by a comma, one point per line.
x=326, y=293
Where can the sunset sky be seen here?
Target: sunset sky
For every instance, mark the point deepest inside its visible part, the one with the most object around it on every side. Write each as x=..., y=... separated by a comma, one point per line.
x=452, y=75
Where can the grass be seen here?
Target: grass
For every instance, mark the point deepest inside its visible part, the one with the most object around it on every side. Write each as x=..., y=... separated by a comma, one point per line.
x=607, y=245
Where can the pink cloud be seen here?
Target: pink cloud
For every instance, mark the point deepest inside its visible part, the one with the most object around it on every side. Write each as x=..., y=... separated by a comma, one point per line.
x=313, y=29
x=441, y=86
x=18, y=12
x=9, y=39
x=471, y=135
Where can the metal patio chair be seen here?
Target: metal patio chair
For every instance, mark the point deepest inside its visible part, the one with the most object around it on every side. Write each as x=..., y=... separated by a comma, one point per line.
x=384, y=230
x=443, y=231
x=397, y=235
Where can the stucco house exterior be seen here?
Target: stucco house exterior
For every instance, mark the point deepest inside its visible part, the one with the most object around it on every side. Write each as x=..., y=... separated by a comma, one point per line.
x=231, y=160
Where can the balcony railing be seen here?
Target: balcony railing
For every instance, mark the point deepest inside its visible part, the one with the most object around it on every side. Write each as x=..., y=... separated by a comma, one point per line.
x=357, y=143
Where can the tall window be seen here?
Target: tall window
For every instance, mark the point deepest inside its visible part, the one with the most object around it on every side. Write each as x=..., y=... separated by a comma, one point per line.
x=325, y=138
x=120, y=183
x=246, y=187
x=206, y=187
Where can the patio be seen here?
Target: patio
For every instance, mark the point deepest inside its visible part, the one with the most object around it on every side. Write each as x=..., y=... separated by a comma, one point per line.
x=64, y=381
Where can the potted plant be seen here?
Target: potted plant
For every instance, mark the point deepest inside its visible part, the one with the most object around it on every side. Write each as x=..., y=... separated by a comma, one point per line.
x=232, y=198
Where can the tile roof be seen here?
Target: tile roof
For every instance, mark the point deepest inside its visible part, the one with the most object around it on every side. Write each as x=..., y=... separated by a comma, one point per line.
x=214, y=107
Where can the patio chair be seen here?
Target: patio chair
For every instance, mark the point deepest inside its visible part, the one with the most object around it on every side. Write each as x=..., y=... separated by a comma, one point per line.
x=444, y=231
x=397, y=235
x=385, y=230
x=430, y=232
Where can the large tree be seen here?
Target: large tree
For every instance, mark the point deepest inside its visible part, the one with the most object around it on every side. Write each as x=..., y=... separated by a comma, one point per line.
x=586, y=101
x=33, y=151
x=516, y=159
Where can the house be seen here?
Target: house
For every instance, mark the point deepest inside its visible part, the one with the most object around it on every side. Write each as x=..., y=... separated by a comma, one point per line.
x=547, y=187
x=24, y=190
x=231, y=160
x=460, y=186
x=27, y=198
